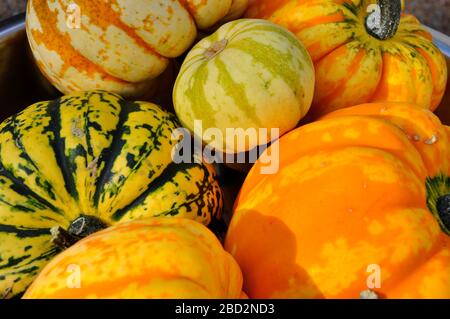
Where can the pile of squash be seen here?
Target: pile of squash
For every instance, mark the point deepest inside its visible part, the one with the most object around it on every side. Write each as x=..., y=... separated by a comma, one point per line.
x=94, y=205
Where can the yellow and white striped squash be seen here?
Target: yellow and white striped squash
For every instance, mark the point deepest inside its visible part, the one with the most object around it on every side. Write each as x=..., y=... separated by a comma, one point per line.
x=249, y=74
x=120, y=46
x=91, y=155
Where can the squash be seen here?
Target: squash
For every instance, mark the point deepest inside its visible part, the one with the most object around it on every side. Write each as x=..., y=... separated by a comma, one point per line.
x=149, y=258
x=119, y=46
x=81, y=163
x=358, y=60
x=360, y=205
x=250, y=74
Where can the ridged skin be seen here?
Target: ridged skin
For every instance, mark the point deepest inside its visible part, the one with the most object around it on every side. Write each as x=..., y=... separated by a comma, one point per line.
x=353, y=67
x=260, y=77
x=356, y=188
x=95, y=154
x=153, y=258
x=122, y=45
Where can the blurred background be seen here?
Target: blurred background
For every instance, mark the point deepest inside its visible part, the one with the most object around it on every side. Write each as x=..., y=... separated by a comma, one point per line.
x=433, y=13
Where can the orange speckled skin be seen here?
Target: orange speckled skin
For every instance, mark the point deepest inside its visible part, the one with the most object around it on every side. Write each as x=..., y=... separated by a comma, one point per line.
x=350, y=193
x=352, y=67
x=154, y=258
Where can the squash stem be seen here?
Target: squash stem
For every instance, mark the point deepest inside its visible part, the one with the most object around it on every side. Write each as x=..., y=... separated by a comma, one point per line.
x=438, y=200
x=384, y=19
x=215, y=49
x=62, y=238
x=443, y=210
x=368, y=294
x=81, y=227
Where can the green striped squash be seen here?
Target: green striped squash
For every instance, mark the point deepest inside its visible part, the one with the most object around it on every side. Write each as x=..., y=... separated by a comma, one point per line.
x=84, y=162
x=248, y=74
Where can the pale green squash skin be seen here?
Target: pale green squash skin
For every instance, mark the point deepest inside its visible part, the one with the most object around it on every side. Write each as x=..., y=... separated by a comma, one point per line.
x=262, y=78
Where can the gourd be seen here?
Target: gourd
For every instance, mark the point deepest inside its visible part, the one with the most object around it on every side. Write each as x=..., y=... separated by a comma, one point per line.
x=120, y=46
x=250, y=75
x=359, y=205
x=149, y=258
x=83, y=162
x=363, y=51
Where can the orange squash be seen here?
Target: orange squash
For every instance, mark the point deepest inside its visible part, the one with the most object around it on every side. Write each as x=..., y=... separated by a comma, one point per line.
x=359, y=58
x=360, y=204
x=154, y=258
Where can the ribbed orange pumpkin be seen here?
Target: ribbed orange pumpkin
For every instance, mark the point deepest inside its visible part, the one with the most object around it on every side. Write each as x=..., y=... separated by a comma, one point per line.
x=154, y=258
x=358, y=60
x=119, y=45
x=361, y=202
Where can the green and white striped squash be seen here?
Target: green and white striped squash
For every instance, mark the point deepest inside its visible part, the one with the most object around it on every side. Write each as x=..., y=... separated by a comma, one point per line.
x=249, y=74
x=90, y=158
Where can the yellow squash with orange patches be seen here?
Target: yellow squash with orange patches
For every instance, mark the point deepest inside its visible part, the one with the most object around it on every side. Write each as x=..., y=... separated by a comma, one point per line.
x=120, y=45
x=361, y=201
x=154, y=258
x=353, y=64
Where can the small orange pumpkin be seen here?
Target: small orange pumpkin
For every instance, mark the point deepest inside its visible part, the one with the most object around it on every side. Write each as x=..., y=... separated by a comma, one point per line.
x=359, y=58
x=154, y=258
x=360, y=204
